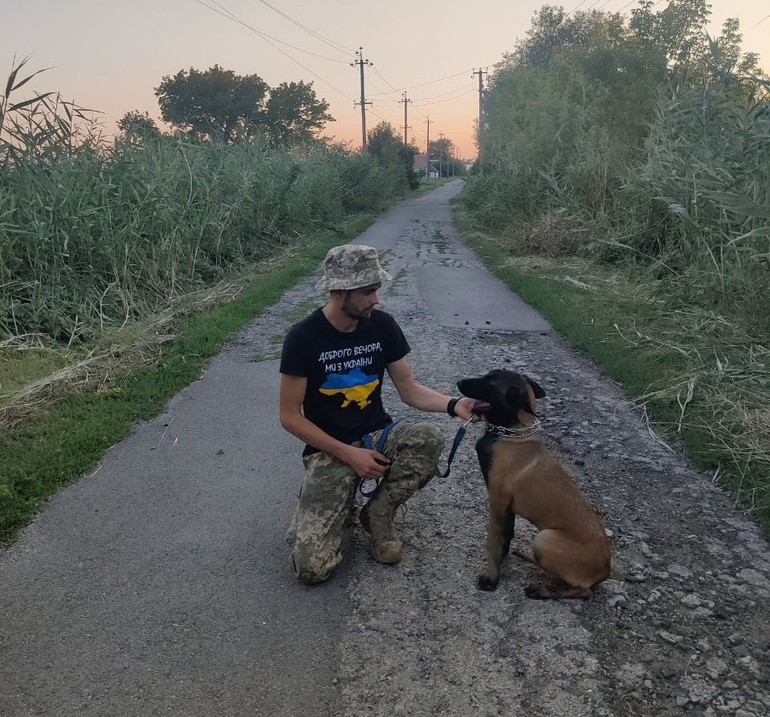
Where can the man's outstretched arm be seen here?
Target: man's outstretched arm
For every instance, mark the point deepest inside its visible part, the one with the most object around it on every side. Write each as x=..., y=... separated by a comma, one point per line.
x=423, y=398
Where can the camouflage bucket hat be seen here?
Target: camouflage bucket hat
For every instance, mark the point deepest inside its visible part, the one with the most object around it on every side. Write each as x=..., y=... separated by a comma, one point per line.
x=351, y=266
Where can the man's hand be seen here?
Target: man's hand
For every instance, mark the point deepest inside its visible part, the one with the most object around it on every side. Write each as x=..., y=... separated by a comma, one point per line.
x=368, y=464
x=464, y=409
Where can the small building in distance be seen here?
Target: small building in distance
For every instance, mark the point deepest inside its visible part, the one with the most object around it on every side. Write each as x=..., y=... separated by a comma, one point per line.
x=419, y=165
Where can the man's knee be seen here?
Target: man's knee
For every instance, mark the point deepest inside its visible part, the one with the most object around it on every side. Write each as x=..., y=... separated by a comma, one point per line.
x=426, y=439
x=418, y=454
x=310, y=567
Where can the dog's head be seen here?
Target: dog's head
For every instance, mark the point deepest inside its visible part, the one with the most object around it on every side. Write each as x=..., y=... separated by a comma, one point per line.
x=511, y=397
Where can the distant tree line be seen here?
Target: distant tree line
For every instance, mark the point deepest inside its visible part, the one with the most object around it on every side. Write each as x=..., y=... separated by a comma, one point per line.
x=217, y=104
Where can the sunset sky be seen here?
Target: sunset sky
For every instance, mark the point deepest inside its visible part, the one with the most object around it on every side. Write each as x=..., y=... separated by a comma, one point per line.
x=109, y=55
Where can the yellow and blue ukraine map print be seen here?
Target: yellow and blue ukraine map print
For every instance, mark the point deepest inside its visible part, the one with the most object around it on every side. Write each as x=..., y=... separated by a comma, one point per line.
x=355, y=386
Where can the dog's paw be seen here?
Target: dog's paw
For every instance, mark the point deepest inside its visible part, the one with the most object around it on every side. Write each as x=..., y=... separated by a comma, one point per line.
x=486, y=583
x=533, y=592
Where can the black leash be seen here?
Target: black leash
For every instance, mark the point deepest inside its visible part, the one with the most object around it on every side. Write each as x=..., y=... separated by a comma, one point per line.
x=367, y=442
x=455, y=445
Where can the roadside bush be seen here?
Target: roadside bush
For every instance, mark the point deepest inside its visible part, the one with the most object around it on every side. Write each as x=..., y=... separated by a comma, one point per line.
x=654, y=144
x=102, y=235
x=697, y=210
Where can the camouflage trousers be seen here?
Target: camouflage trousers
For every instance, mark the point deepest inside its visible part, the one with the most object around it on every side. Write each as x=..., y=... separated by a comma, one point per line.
x=328, y=493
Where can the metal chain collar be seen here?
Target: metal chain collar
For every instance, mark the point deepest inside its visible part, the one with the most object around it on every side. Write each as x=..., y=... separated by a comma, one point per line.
x=514, y=432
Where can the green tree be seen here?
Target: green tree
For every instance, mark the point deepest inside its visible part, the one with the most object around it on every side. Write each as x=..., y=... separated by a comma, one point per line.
x=407, y=153
x=566, y=112
x=678, y=30
x=384, y=144
x=215, y=104
x=554, y=31
x=726, y=55
x=294, y=113
x=442, y=157
x=138, y=127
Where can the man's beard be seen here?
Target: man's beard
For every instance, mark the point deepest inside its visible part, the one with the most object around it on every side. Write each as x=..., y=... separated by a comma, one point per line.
x=356, y=314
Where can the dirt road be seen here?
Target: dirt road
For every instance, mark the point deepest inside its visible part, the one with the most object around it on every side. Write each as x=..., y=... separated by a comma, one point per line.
x=159, y=585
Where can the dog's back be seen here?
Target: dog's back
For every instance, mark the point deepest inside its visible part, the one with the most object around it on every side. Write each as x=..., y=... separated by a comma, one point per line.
x=533, y=484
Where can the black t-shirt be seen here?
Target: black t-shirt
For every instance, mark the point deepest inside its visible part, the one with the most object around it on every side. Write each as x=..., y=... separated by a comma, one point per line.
x=344, y=371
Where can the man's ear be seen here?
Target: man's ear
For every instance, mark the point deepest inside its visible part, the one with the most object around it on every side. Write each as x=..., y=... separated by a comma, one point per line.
x=536, y=387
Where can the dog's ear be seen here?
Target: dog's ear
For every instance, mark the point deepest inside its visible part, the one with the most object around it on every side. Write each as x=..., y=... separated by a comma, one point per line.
x=518, y=400
x=536, y=387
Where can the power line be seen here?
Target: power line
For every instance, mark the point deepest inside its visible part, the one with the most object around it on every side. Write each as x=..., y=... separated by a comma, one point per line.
x=377, y=114
x=374, y=67
x=382, y=93
x=393, y=102
x=230, y=16
x=582, y=2
x=432, y=82
x=417, y=107
x=385, y=100
x=442, y=94
x=601, y=5
x=448, y=99
x=334, y=45
x=263, y=34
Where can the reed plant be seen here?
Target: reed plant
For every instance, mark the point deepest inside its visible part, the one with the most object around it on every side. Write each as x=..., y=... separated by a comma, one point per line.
x=663, y=177
x=698, y=378
x=696, y=212
x=96, y=234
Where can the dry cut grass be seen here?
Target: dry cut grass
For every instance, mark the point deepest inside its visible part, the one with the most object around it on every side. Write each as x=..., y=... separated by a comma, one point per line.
x=34, y=371
x=726, y=373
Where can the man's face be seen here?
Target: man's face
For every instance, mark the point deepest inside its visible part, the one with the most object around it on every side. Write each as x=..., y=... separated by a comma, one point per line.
x=359, y=303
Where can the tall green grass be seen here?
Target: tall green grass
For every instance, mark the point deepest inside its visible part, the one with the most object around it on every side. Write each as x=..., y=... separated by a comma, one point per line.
x=606, y=146
x=101, y=238
x=96, y=234
x=104, y=247
x=700, y=378
x=45, y=453
x=667, y=172
x=696, y=211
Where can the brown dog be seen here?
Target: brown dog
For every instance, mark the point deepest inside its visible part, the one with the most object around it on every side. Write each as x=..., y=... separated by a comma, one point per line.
x=524, y=479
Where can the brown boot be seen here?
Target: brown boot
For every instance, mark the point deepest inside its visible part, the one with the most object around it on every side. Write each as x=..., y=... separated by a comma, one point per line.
x=377, y=520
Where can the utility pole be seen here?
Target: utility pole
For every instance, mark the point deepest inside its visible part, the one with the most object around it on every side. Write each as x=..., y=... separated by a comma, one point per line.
x=406, y=124
x=427, y=151
x=360, y=61
x=440, y=153
x=481, y=74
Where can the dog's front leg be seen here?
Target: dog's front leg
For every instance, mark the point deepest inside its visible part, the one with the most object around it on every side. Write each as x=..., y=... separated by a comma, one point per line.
x=499, y=535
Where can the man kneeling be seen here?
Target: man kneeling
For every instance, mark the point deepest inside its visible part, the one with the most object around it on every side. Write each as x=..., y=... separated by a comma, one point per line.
x=332, y=367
